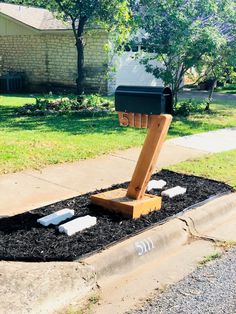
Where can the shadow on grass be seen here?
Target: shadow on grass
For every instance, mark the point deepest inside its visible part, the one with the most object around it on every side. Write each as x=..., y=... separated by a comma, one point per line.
x=75, y=125
x=72, y=124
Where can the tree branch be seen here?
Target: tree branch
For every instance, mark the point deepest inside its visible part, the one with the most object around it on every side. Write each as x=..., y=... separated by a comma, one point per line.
x=63, y=8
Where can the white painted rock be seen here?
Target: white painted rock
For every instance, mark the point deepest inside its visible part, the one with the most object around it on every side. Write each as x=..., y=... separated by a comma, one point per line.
x=56, y=217
x=77, y=225
x=178, y=190
x=156, y=185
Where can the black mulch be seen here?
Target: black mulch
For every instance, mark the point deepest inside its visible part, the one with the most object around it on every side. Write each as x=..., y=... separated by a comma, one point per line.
x=23, y=239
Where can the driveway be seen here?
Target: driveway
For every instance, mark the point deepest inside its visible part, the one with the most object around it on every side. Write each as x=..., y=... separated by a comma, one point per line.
x=193, y=93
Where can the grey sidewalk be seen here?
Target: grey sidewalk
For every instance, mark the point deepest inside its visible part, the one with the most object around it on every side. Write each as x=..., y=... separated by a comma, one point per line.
x=30, y=189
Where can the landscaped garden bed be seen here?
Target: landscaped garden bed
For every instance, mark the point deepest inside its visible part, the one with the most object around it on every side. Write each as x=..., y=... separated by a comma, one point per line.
x=86, y=106
x=23, y=239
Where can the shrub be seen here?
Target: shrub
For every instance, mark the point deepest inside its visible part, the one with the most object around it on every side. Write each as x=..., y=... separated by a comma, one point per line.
x=185, y=108
x=85, y=106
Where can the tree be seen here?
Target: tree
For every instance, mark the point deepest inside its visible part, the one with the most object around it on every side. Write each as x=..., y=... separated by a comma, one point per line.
x=180, y=34
x=114, y=16
x=218, y=67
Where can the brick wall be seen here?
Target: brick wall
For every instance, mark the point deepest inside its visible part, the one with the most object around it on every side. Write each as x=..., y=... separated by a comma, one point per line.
x=50, y=59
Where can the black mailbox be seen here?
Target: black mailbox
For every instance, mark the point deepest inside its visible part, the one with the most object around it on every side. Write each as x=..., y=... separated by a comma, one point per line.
x=143, y=99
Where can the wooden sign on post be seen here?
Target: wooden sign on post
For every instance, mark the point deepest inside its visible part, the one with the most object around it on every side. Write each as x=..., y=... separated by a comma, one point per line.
x=134, y=202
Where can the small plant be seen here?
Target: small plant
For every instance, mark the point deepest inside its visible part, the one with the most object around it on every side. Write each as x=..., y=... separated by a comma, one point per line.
x=210, y=258
x=185, y=108
x=86, y=307
x=94, y=299
x=225, y=245
x=84, y=106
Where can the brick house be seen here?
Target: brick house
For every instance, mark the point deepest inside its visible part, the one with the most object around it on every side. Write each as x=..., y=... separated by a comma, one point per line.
x=33, y=41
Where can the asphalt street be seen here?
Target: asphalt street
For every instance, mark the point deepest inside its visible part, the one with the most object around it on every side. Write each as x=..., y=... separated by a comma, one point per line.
x=210, y=289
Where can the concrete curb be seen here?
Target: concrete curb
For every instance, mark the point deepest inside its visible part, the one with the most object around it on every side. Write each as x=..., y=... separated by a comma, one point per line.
x=40, y=288
x=139, y=249
x=162, y=239
x=205, y=217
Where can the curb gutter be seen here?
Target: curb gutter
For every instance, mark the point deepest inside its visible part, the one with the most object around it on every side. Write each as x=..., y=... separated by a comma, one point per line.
x=137, y=250
x=162, y=239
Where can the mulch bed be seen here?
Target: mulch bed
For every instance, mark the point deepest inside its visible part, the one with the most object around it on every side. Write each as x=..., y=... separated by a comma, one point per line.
x=23, y=239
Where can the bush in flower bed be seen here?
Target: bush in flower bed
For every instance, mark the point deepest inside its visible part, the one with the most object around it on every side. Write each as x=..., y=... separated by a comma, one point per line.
x=186, y=107
x=84, y=106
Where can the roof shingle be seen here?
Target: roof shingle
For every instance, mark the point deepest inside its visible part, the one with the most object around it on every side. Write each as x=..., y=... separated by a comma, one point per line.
x=38, y=18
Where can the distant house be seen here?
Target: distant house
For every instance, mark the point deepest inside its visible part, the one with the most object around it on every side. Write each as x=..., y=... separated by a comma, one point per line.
x=33, y=41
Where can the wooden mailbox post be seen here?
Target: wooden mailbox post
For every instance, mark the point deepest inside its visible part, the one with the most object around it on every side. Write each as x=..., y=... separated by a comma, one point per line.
x=140, y=107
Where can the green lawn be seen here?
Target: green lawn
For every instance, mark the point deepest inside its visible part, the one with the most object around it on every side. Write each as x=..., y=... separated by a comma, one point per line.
x=33, y=142
x=220, y=166
x=227, y=89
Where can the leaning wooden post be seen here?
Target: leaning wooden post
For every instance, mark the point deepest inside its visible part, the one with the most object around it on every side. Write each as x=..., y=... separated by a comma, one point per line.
x=140, y=107
x=146, y=164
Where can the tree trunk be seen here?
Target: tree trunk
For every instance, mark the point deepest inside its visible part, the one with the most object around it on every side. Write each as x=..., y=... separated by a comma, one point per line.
x=207, y=108
x=80, y=54
x=175, y=96
x=80, y=66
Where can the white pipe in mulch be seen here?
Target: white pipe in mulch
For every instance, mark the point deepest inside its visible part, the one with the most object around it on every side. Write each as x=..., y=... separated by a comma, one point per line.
x=77, y=225
x=57, y=217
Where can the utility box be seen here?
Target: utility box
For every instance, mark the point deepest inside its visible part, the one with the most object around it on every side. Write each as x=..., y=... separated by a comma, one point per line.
x=144, y=100
x=11, y=82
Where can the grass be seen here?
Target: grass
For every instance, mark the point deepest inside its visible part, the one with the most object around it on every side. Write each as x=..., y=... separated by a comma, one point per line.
x=227, y=89
x=34, y=142
x=219, y=166
x=209, y=258
x=86, y=308
x=225, y=245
